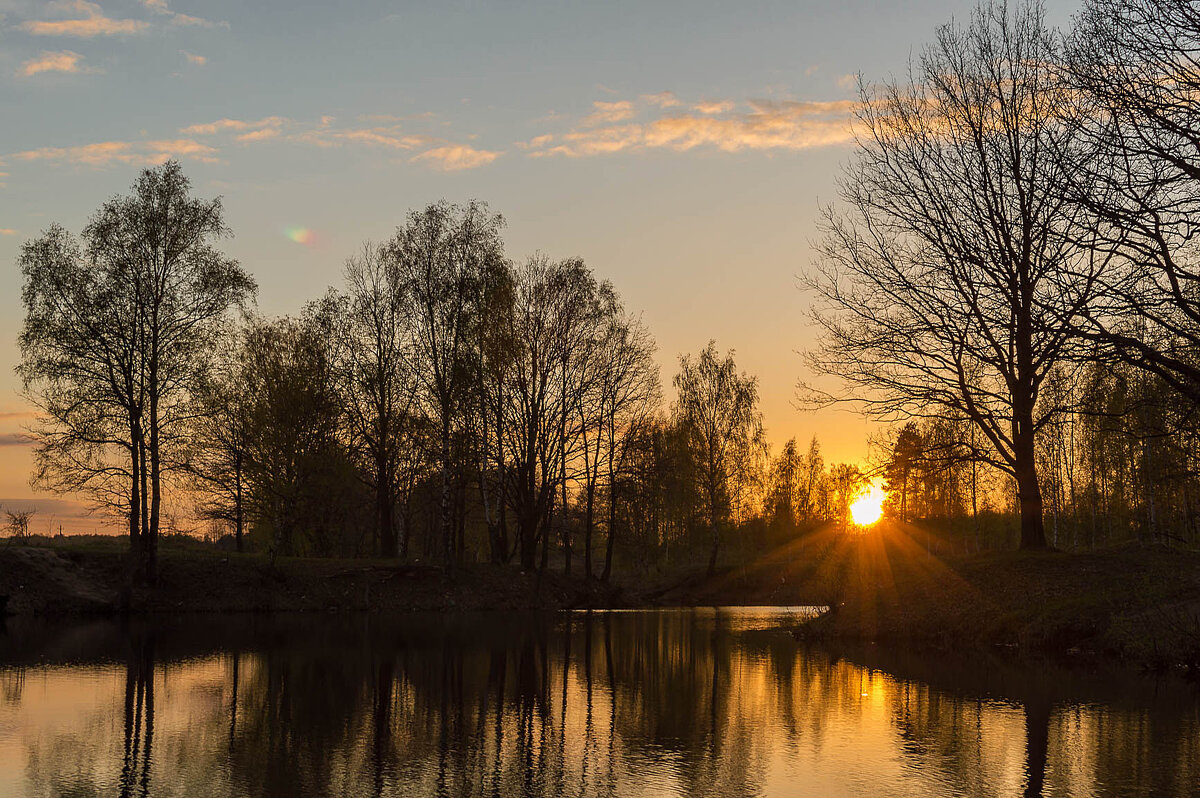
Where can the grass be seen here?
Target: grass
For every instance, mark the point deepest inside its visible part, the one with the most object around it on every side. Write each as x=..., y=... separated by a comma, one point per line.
x=1133, y=601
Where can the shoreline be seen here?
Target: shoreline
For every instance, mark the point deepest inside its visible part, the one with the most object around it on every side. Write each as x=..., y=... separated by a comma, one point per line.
x=1140, y=604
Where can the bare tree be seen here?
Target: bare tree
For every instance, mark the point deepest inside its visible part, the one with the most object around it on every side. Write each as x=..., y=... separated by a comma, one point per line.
x=116, y=336
x=218, y=453
x=630, y=396
x=293, y=438
x=440, y=254
x=18, y=522
x=1136, y=67
x=953, y=281
x=377, y=383
x=718, y=410
x=495, y=348
x=546, y=311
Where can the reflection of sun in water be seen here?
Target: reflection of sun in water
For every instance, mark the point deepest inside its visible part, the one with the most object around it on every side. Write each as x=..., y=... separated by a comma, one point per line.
x=868, y=508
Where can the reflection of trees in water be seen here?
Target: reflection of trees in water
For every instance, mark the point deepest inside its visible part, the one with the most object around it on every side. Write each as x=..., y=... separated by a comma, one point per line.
x=12, y=684
x=139, y=717
x=998, y=726
x=653, y=702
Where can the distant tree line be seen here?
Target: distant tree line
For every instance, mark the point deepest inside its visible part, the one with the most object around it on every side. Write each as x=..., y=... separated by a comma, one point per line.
x=1012, y=277
x=445, y=403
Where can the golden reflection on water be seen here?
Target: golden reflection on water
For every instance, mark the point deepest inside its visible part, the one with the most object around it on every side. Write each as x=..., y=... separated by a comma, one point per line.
x=686, y=703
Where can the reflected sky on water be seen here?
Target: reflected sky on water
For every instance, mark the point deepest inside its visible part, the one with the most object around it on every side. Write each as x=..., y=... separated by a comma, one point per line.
x=644, y=703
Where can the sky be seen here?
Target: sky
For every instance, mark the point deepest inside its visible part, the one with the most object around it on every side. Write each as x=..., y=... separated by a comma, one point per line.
x=683, y=149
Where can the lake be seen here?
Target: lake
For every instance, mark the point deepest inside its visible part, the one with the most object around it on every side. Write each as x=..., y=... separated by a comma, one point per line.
x=703, y=702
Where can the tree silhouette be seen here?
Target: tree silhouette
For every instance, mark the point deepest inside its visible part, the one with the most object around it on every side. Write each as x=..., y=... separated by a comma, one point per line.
x=718, y=412
x=117, y=334
x=953, y=282
x=1136, y=68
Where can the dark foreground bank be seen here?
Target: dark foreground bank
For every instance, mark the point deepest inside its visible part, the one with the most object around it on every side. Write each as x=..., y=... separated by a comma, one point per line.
x=64, y=580
x=1140, y=603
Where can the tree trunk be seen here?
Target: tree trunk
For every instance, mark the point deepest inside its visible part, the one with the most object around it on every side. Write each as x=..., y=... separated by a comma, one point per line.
x=385, y=514
x=612, y=502
x=528, y=533
x=1029, y=494
x=716, y=542
x=589, y=519
x=447, y=529
x=135, y=505
x=612, y=531
x=238, y=513
x=712, y=522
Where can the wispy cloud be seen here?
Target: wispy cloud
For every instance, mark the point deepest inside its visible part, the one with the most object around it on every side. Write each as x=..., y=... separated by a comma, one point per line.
x=86, y=20
x=6, y=231
x=212, y=128
x=455, y=157
x=15, y=439
x=257, y=135
x=609, y=113
x=664, y=99
x=205, y=141
x=104, y=153
x=388, y=136
x=192, y=58
x=53, y=61
x=182, y=20
x=762, y=125
x=714, y=107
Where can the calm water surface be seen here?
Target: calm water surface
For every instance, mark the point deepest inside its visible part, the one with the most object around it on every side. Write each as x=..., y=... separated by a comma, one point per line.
x=664, y=702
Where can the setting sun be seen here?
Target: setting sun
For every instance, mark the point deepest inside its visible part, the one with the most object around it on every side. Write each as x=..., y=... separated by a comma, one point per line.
x=868, y=508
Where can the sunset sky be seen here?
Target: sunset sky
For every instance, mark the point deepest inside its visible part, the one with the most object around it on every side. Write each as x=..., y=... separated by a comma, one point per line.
x=683, y=149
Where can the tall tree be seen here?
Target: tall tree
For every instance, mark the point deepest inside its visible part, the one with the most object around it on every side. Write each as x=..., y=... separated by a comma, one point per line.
x=116, y=337
x=547, y=311
x=630, y=396
x=906, y=455
x=718, y=410
x=217, y=458
x=1135, y=65
x=953, y=281
x=377, y=385
x=441, y=254
x=294, y=450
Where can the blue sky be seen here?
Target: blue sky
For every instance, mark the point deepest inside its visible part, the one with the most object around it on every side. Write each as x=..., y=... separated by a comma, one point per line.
x=682, y=149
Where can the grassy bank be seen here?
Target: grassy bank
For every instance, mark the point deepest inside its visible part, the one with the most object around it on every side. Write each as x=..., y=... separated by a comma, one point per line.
x=1138, y=602
x=71, y=579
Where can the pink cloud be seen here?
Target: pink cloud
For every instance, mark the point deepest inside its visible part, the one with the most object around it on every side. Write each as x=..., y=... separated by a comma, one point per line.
x=258, y=135
x=455, y=157
x=767, y=126
x=663, y=99
x=91, y=23
x=212, y=128
x=608, y=113
x=54, y=61
x=716, y=107
x=181, y=20
x=104, y=153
